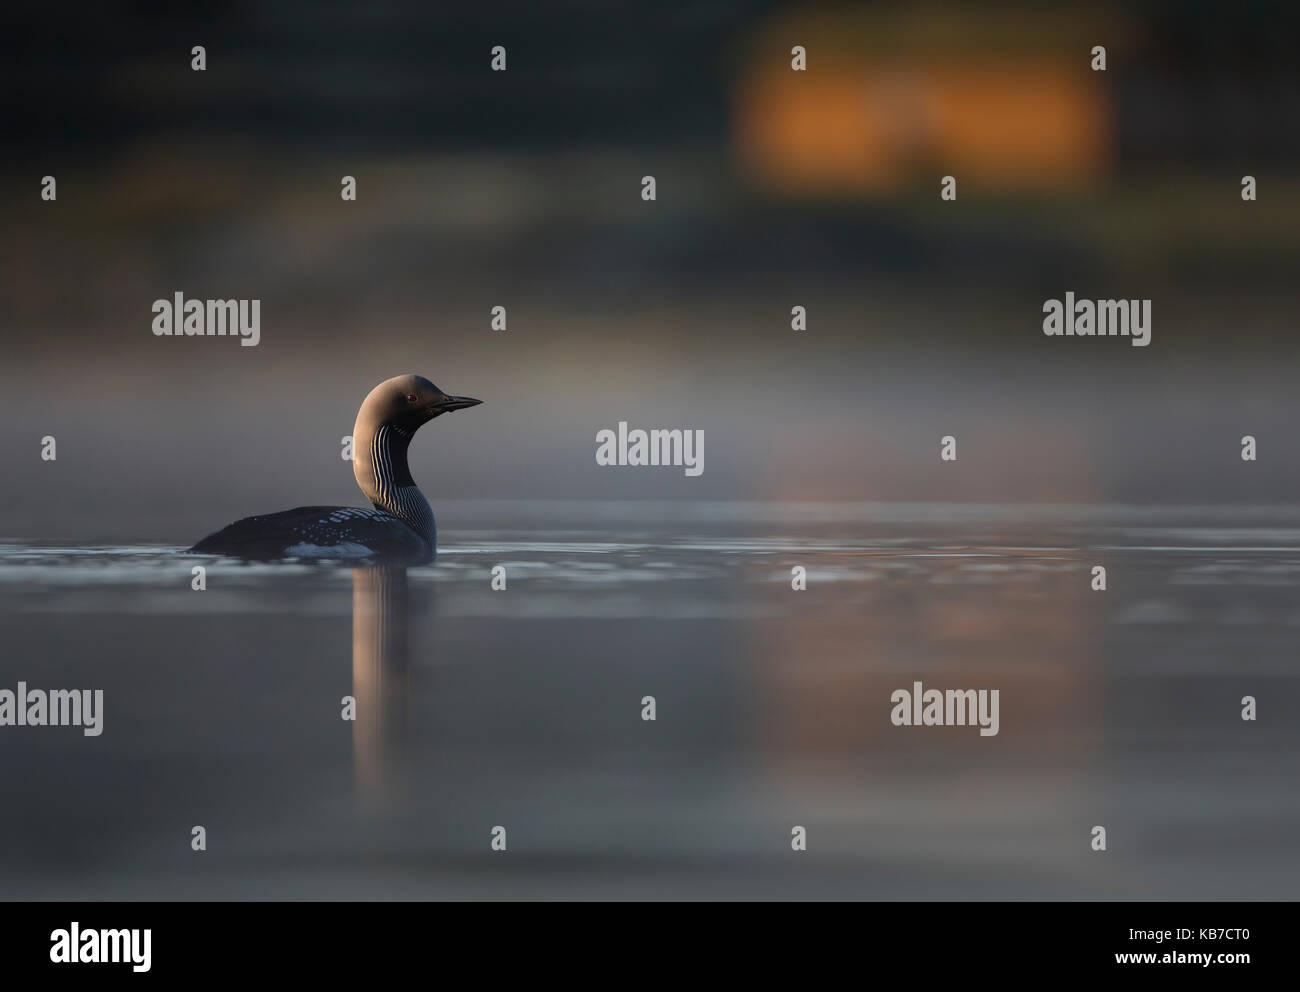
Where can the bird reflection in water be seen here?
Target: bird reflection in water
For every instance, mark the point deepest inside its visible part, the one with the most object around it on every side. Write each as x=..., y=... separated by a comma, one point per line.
x=380, y=677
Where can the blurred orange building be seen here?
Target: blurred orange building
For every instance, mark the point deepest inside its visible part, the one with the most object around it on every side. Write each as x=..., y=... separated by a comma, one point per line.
x=897, y=100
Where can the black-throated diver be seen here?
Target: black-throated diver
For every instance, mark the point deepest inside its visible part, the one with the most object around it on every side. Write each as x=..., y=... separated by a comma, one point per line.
x=400, y=526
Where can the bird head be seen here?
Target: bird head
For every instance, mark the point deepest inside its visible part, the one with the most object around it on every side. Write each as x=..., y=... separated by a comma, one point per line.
x=410, y=401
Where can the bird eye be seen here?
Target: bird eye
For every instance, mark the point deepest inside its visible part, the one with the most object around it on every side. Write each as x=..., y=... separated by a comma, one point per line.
x=410, y=397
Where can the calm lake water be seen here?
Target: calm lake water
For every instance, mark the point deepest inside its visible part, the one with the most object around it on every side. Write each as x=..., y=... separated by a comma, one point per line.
x=522, y=708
